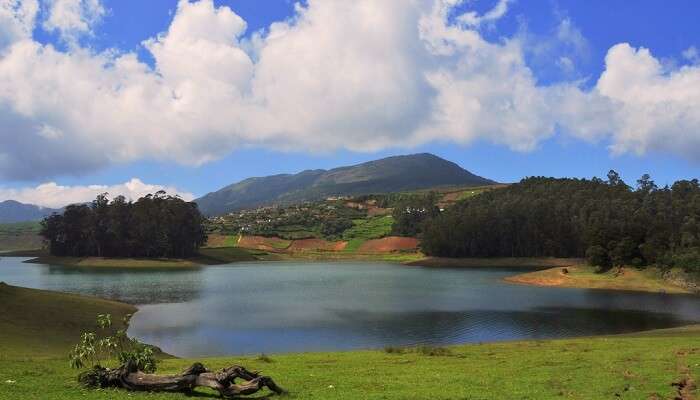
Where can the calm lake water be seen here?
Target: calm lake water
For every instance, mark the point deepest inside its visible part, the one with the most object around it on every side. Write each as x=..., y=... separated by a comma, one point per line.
x=282, y=307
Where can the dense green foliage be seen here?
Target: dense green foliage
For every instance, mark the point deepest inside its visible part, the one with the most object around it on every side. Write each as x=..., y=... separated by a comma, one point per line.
x=412, y=213
x=154, y=226
x=607, y=221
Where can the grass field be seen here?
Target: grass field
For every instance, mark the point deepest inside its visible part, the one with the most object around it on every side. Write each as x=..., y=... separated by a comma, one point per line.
x=20, y=236
x=369, y=228
x=218, y=240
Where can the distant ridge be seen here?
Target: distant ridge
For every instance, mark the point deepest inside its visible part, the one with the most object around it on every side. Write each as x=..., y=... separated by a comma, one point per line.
x=13, y=211
x=387, y=175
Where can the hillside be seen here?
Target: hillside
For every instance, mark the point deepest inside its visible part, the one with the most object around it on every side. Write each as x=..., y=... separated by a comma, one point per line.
x=13, y=211
x=392, y=174
x=20, y=236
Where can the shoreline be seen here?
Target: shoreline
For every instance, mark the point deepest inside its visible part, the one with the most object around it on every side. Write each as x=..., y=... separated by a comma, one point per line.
x=537, y=271
x=585, y=277
x=496, y=262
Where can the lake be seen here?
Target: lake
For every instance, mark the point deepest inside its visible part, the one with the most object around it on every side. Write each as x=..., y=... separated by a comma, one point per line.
x=250, y=308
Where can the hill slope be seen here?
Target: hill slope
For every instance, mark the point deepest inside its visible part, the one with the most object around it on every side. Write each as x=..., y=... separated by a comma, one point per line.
x=13, y=211
x=392, y=174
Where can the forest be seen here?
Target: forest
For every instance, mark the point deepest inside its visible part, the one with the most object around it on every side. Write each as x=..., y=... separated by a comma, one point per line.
x=608, y=222
x=155, y=226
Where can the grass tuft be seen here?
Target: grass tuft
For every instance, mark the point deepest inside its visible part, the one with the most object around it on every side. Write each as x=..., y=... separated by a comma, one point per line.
x=264, y=358
x=433, y=351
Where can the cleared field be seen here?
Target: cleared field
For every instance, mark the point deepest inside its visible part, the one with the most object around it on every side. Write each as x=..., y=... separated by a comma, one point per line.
x=263, y=243
x=316, y=245
x=389, y=244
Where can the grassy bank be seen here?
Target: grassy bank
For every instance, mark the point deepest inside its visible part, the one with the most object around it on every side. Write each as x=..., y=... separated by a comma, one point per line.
x=101, y=262
x=43, y=324
x=38, y=327
x=503, y=262
x=582, y=276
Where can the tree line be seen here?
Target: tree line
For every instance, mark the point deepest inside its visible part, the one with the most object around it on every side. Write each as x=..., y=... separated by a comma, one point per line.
x=608, y=222
x=155, y=226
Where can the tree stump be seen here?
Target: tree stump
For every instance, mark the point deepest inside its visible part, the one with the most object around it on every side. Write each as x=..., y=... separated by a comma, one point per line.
x=224, y=381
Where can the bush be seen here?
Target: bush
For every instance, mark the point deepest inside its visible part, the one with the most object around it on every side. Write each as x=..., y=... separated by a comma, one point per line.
x=394, y=350
x=95, y=348
x=688, y=259
x=433, y=351
x=597, y=256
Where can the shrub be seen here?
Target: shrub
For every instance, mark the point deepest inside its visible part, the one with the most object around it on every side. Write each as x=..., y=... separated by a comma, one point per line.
x=433, y=351
x=394, y=350
x=95, y=348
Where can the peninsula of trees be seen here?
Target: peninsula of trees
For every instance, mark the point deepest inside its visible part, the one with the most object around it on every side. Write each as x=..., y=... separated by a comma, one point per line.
x=608, y=222
x=155, y=226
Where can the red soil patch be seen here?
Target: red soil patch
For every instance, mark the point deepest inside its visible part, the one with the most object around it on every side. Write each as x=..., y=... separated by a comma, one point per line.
x=389, y=244
x=316, y=245
x=263, y=243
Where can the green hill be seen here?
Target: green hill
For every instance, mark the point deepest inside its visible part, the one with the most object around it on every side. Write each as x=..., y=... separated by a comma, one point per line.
x=387, y=175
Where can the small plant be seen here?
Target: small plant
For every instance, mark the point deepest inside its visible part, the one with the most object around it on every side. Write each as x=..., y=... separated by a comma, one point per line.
x=95, y=348
x=265, y=358
x=394, y=350
x=433, y=351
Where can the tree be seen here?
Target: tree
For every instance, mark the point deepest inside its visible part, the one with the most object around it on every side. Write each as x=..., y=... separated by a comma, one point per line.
x=155, y=225
x=605, y=221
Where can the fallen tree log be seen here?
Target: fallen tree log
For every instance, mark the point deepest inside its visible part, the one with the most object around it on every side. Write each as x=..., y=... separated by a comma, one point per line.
x=224, y=381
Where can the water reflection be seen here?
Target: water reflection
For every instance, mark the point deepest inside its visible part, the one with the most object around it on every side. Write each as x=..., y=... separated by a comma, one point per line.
x=123, y=284
x=277, y=307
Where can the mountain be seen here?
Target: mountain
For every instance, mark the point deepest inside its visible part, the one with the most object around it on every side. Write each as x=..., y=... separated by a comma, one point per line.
x=392, y=174
x=14, y=211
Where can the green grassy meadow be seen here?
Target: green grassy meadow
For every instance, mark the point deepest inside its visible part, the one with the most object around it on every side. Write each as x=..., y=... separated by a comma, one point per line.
x=37, y=328
x=370, y=228
x=20, y=236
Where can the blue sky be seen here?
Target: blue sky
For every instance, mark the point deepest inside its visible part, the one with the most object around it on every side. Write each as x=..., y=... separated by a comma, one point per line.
x=668, y=29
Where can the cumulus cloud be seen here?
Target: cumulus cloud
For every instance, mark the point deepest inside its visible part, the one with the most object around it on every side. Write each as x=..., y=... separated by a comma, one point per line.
x=471, y=18
x=17, y=19
x=654, y=109
x=53, y=195
x=73, y=18
x=360, y=75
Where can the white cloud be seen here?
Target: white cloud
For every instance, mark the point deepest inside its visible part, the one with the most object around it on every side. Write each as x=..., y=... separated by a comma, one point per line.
x=360, y=75
x=691, y=54
x=53, y=195
x=17, y=19
x=471, y=18
x=654, y=109
x=72, y=18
